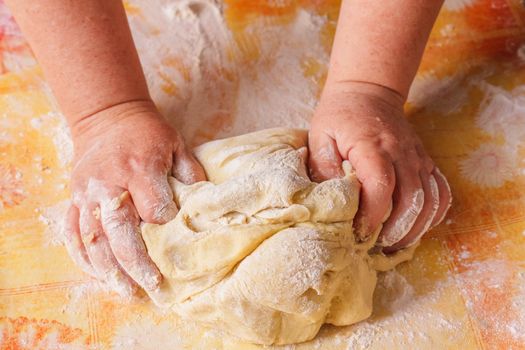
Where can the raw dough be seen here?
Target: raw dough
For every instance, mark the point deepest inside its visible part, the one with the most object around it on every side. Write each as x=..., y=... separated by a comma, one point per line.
x=259, y=250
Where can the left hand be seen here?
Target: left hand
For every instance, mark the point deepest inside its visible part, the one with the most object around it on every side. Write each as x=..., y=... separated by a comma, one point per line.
x=123, y=156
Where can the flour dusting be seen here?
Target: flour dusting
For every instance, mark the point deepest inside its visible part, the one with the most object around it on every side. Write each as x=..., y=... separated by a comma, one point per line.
x=213, y=83
x=53, y=219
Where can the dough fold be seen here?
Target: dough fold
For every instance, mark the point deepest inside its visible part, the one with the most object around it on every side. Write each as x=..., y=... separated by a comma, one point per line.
x=259, y=250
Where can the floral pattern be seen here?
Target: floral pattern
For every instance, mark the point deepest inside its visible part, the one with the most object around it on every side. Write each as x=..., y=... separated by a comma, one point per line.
x=489, y=166
x=23, y=333
x=503, y=113
x=11, y=190
x=15, y=53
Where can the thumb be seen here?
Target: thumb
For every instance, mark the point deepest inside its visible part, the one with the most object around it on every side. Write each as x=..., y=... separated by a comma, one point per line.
x=153, y=198
x=186, y=168
x=324, y=161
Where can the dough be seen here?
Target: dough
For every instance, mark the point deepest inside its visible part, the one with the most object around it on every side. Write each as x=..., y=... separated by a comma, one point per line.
x=259, y=250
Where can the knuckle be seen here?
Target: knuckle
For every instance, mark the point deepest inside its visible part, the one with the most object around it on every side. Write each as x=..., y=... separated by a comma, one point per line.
x=388, y=177
x=115, y=225
x=410, y=151
x=429, y=165
x=389, y=142
x=90, y=237
x=420, y=150
x=143, y=169
x=117, y=210
x=148, y=214
x=386, y=183
x=383, y=176
x=325, y=154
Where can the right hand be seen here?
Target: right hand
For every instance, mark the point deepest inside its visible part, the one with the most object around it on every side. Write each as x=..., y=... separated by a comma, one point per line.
x=364, y=123
x=123, y=156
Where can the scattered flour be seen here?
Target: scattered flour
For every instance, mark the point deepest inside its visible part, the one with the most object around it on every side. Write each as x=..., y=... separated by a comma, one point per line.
x=211, y=82
x=53, y=125
x=395, y=292
x=402, y=318
x=485, y=286
x=53, y=219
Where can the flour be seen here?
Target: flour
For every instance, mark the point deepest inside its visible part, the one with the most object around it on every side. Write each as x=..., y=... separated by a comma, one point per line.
x=137, y=335
x=403, y=318
x=53, y=219
x=211, y=82
x=517, y=326
x=397, y=229
x=394, y=292
x=206, y=81
x=280, y=95
x=492, y=279
x=502, y=113
x=53, y=125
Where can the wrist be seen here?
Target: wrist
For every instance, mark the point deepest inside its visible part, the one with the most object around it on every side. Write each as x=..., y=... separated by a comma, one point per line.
x=341, y=88
x=95, y=124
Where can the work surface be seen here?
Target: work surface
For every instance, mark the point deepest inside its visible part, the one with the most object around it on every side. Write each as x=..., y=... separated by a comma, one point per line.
x=222, y=69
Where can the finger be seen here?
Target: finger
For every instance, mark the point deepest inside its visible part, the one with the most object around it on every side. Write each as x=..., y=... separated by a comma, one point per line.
x=324, y=161
x=102, y=259
x=445, y=197
x=186, y=168
x=153, y=198
x=376, y=174
x=120, y=221
x=426, y=216
x=73, y=241
x=408, y=201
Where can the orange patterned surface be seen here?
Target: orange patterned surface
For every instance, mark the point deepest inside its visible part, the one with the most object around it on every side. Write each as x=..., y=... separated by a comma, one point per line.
x=464, y=289
x=24, y=333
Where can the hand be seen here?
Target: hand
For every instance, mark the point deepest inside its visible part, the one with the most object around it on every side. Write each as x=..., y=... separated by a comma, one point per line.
x=123, y=156
x=365, y=124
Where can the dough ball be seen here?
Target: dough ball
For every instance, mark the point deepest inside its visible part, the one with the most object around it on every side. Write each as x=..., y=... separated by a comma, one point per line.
x=259, y=250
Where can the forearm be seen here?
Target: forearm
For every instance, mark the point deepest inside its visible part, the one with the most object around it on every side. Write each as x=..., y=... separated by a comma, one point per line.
x=381, y=42
x=86, y=51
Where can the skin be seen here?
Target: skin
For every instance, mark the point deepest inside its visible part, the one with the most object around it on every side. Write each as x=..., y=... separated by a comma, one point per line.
x=375, y=56
x=124, y=149
x=122, y=144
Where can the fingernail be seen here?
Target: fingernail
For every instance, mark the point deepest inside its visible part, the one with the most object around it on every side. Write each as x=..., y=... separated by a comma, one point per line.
x=184, y=170
x=152, y=281
x=166, y=212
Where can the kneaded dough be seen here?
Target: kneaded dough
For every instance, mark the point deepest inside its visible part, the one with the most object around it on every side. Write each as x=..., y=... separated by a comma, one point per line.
x=261, y=251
